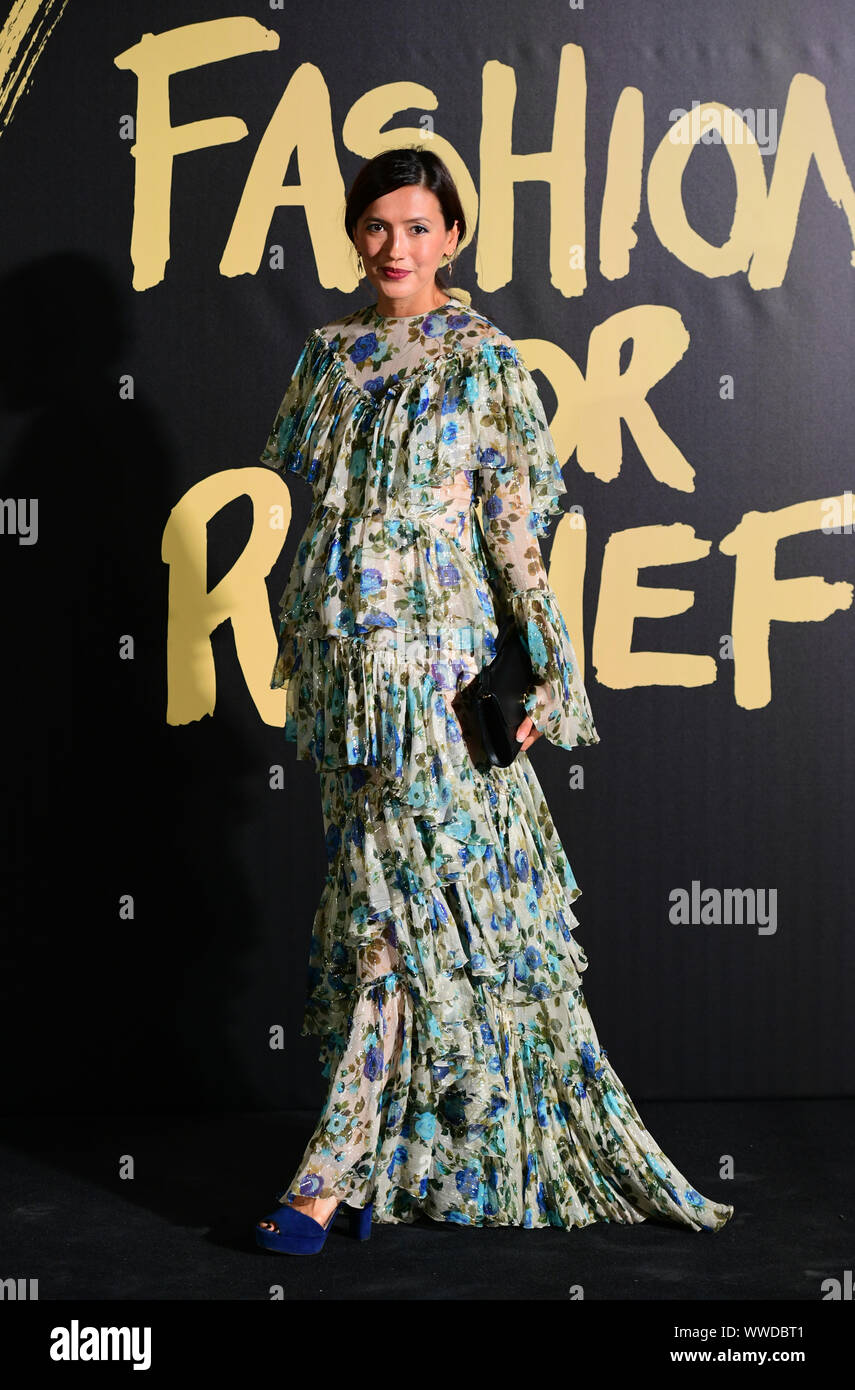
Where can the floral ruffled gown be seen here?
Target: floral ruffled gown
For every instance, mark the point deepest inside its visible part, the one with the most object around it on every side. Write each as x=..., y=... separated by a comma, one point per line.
x=466, y=1080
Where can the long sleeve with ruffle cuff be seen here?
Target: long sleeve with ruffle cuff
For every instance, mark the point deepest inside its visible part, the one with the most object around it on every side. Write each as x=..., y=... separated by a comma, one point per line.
x=558, y=705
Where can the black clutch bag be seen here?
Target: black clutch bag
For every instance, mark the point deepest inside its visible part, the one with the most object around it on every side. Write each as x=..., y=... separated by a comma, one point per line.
x=491, y=707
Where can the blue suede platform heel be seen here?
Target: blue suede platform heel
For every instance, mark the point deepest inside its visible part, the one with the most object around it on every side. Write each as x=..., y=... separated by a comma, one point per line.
x=300, y=1234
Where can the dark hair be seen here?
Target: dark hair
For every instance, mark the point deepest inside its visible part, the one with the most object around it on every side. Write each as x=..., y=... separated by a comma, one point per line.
x=393, y=168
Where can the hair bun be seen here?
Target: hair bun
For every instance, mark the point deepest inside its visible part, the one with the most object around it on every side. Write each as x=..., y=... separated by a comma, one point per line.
x=463, y=295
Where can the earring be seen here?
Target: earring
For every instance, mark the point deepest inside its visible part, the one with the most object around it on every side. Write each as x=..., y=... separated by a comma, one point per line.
x=361, y=266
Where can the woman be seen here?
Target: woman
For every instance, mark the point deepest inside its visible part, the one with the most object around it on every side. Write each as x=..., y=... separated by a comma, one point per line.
x=466, y=1081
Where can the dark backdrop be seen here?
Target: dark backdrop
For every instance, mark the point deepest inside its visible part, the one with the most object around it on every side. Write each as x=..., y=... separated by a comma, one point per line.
x=169, y=1005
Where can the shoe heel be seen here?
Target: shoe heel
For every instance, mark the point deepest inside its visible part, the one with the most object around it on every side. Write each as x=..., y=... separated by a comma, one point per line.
x=360, y=1221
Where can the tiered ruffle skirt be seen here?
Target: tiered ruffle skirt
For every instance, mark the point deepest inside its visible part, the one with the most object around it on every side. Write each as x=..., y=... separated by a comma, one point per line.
x=466, y=1079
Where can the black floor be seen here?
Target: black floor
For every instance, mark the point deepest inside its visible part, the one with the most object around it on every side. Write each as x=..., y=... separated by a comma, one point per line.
x=181, y=1228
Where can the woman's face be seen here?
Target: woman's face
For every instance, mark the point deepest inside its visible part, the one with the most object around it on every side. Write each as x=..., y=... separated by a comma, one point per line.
x=404, y=230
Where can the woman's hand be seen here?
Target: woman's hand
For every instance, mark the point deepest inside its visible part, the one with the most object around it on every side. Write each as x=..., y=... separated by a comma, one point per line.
x=527, y=734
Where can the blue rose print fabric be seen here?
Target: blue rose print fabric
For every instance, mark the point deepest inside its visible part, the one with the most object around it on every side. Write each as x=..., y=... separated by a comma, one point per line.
x=466, y=1080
